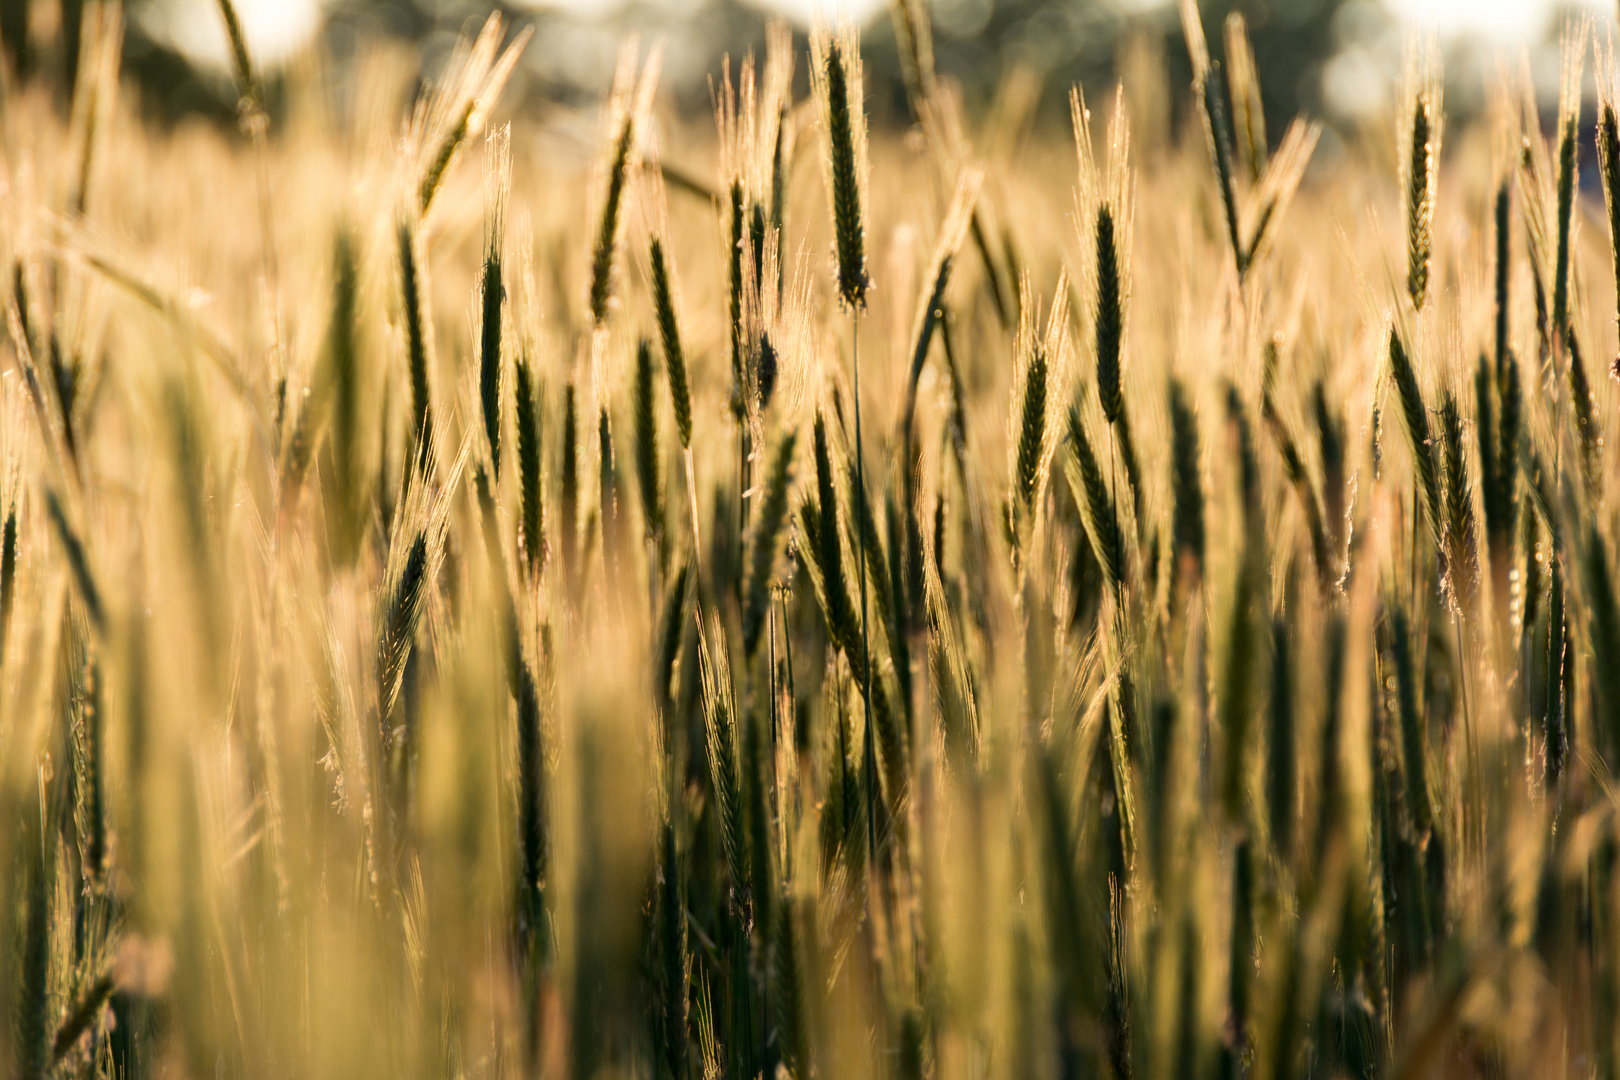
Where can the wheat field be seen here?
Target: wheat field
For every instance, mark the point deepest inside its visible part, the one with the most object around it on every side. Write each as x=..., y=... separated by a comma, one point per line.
x=778, y=596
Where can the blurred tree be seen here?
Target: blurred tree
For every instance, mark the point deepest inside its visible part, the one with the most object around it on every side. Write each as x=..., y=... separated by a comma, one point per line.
x=1064, y=42
x=14, y=34
x=979, y=43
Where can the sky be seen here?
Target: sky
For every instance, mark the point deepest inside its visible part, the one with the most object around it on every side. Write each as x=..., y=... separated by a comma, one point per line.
x=276, y=28
x=1507, y=20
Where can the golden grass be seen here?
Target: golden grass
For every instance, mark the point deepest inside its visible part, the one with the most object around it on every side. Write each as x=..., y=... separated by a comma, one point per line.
x=1017, y=708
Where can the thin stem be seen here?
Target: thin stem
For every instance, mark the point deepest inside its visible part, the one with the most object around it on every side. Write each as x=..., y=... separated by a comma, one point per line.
x=776, y=691
x=745, y=480
x=869, y=754
x=789, y=695
x=691, y=494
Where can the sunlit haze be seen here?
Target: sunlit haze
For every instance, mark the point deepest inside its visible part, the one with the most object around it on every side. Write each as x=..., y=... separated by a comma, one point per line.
x=276, y=28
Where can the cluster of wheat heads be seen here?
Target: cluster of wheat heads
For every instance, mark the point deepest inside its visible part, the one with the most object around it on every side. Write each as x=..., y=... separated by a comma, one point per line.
x=965, y=610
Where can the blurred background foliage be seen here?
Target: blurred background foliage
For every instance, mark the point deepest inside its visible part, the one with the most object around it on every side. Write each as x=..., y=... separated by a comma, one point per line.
x=1331, y=59
x=1049, y=44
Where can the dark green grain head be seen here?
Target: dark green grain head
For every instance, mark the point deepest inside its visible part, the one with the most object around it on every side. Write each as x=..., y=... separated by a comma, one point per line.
x=1186, y=479
x=646, y=438
x=8, y=574
x=1568, y=180
x=1282, y=768
x=675, y=960
x=828, y=537
x=1032, y=431
x=1460, y=538
x=843, y=114
x=32, y=1004
x=403, y=601
x=532, y=494
x=607, y=477
x=669, y=334
x=607, y=232
x=1098, y=503
x=1415, y=413
x=416, y=339
x=1110, y=317
x=735, y=296
x=568, y=527
x=1608, y=145
x=1413, y=724
x=1420, y=194
x=78, y=561
x=343, y=364
x=720, y=714
x=1504, y=270
x=492, y=295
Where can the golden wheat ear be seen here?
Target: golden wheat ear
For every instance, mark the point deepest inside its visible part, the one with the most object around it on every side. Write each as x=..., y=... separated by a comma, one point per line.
x=459, y=106
x=1415, y=413
x=629, y=111
x=418, y=338
x=836, y=73
x=1243, y=79
x=1211, y=94
x=1608, y=150
x=531, y=476
x=766, y=545
x=645, y=439
x=1418, y=141
x=1571, y=71
x=492, y=290
x=931, y=301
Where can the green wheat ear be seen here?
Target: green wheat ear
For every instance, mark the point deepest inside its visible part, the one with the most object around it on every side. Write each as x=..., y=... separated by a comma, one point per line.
x=669, y=334
x=1032, y=430
x=492, y=293
x=1102, y=521
x=1460, y=532
x=568, y=526
x=1414, y=742
x=646, y=439
x=434, y=175
x=1293, y=464
x=675, y=971
x=33, y=1001
x=739, y=401
x=607, y=482
x=532, y=500
x=1110, y=318
x=1504, y=269
x=1608, y=144
x=78, y=561
x=416, y=339
x=1211, y=99
x=404, y=598
x=1186, y=481
x=1569, y=119
x=671, y=625
x=607, y=233
x=1282, y=765
x=534, y=826
x=1420, y=185
x=8, y=575
x=1415, y=413
x=849, y=228
x=720, y=721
